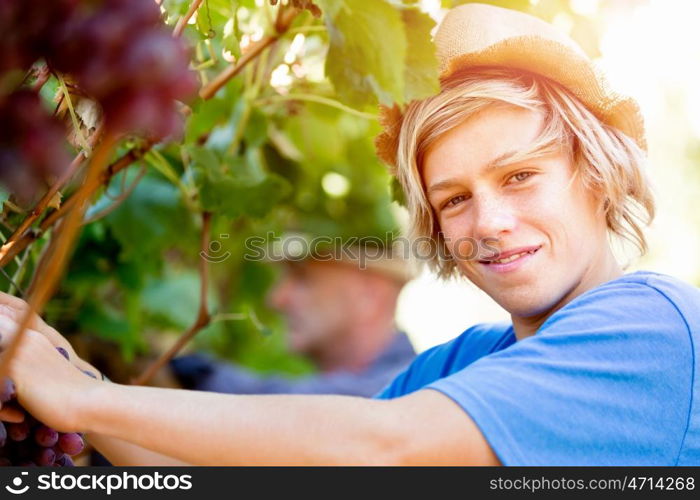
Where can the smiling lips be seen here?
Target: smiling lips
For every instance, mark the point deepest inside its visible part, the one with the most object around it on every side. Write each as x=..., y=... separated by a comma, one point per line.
x=514, y=257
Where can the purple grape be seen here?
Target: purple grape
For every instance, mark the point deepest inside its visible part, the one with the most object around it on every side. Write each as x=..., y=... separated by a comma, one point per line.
x=63, y=352
x=45, y=456
x=32, y=144
x=3, y=434
x=65, y=461
x=45, y=436
x=19, y=431
x=71, y=443
x=58, y=451
x=7, y=390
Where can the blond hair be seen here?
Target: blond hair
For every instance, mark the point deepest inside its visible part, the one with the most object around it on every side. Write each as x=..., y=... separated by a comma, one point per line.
x=609, y=162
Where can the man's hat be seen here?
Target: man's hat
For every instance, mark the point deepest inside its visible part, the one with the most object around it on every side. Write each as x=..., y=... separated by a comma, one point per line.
x=477, y=35
x=388, y=258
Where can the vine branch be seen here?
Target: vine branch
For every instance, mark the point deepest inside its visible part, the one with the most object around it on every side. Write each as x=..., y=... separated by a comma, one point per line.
x=285, y=17
x=182, y=22
x=203, y=315
x=50, y=267
x=44, y=202
x=116, y=202
x=10, y=251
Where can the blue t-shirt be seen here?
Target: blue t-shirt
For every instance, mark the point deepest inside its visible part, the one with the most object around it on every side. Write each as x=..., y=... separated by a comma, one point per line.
x=609, y=379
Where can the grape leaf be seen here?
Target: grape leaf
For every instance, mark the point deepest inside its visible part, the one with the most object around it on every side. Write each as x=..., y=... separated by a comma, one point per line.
x=106, y=323
x=233, y=197
x=143, y=223
x=255, y=132
x=176, y=287
x=421, y=62
x=206, y=116
x=366, y=59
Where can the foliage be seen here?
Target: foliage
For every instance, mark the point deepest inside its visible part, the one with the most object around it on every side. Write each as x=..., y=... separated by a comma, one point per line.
x=255, y=155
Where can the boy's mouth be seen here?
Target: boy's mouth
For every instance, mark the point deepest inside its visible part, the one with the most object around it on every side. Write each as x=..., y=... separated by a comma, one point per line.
x=502, y=259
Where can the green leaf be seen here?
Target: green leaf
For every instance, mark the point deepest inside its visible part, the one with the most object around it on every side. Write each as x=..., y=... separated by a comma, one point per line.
x=310, y=132
x=397, y=193
x=106, y=323
x=231, y=41
x=330, y=7
x=421, y=62
x=204, y=158
x=366, y=59
x=176, y=7
x=233, y=197
x=4, y=196
x=206, y=116
x=144, y=223
x=255, y=132
x=174, y=299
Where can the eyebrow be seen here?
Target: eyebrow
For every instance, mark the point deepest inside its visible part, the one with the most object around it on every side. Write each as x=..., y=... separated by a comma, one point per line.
x=508, y=158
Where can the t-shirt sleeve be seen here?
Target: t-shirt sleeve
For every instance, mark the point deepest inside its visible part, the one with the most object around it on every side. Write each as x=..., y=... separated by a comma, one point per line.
x=441, y=360
x=607, y=380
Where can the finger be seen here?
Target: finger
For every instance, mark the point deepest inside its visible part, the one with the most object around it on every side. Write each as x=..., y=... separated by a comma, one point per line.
x=15, y=308
x=9, y=329
x=10, y=413
x=15, y=316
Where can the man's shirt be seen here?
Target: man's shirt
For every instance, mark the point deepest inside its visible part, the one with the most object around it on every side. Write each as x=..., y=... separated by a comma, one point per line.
x=612, y=378
x=200, y=372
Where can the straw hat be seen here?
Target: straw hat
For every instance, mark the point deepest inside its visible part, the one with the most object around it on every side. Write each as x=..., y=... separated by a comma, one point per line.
x=474, y=35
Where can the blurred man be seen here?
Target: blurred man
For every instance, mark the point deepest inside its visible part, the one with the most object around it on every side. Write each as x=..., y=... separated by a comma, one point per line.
x=339, y=316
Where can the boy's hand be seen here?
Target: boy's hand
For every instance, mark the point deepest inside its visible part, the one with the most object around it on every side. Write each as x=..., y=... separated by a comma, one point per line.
x=15, y=308
x=48, y=386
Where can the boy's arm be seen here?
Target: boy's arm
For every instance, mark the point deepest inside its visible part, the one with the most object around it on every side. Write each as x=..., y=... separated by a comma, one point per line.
x=123, y=453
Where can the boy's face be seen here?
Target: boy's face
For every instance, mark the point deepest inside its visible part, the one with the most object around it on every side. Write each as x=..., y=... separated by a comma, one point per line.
x=537, y=207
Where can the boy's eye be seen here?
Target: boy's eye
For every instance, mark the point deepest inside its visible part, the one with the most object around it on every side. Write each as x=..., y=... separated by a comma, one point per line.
x=454, y=201
x=520, y=176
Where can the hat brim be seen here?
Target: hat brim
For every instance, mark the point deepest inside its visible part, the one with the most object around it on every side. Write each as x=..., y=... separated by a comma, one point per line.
x=543, y=57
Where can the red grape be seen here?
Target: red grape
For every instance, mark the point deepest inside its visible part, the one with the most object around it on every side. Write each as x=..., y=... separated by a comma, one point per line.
x=18, y=431
x=65, y=461
x=71, y=443
x=45, y=456
x=45, y=436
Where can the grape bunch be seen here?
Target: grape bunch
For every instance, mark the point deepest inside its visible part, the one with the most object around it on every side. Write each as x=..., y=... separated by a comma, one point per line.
x=122, y=55
x=32, y=145
x=31, y=443
x=25, y=28
x=118, y=52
